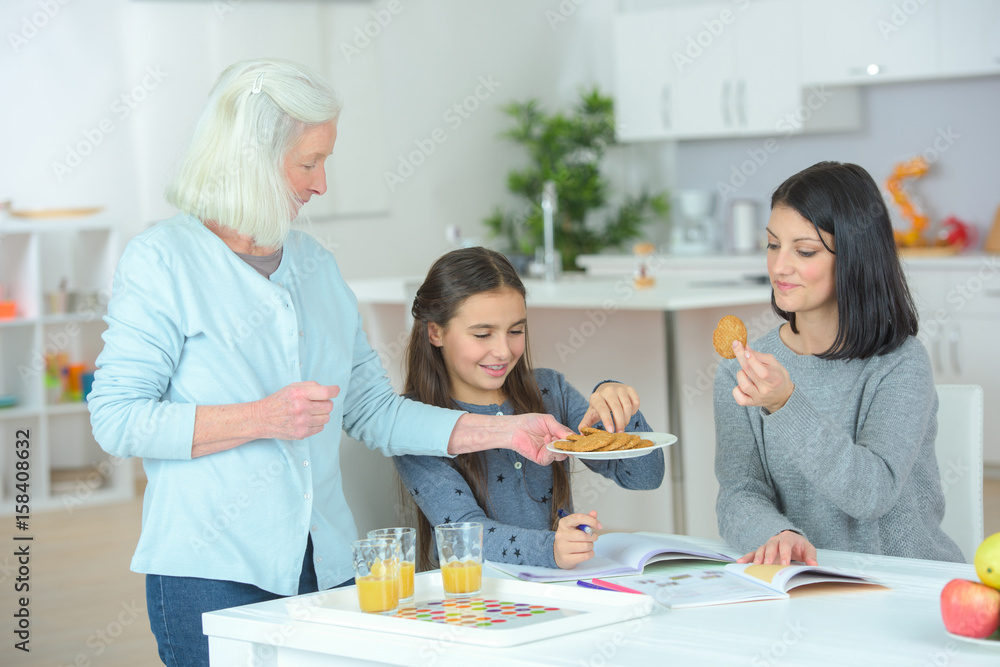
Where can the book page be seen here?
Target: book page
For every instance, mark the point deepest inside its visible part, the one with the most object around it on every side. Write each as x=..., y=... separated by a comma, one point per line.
x=691, y=583
x=635, y=550
x=783, y=578
x=617, y=554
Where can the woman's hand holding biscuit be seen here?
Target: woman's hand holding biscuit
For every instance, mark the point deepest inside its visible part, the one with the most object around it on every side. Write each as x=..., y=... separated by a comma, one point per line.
x=761, y=381
x=612, y=404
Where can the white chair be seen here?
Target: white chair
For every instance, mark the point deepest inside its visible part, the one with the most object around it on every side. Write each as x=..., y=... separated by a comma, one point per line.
x=959, y=448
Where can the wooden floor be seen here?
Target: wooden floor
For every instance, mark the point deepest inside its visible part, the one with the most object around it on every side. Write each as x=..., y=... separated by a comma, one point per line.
x=87, y=608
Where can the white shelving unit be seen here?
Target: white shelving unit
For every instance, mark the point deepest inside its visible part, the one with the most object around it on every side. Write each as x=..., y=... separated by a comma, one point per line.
x=67, y=467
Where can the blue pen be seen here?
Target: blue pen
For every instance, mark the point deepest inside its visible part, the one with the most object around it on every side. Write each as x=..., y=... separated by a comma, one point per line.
x=587, y=529
x=587, y=584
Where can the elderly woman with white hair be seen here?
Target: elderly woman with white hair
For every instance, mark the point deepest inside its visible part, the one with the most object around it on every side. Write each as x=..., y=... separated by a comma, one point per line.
x=233, y=357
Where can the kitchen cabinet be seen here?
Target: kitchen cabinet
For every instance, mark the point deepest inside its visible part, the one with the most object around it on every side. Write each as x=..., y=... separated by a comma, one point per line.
x=880, y=41
x=867, y=41
x=959, y=309
x=715, y=70
x=64, y=467
x=969, y=37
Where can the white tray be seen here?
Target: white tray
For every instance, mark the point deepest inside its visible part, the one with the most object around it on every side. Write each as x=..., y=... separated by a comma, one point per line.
x=578, y=609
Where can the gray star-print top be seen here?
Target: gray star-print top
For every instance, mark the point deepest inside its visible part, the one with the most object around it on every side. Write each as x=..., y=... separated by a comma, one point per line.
x=516, y=525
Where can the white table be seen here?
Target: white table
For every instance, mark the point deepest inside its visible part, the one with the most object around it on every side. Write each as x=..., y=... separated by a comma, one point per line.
x=900, y=626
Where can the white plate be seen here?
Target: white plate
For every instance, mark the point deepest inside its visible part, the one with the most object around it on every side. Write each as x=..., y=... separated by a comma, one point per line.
x=659, y=441
x=578, y=609
x=993, y=641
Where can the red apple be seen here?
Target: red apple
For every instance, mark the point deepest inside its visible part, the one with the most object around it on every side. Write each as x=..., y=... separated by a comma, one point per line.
x=970, y=609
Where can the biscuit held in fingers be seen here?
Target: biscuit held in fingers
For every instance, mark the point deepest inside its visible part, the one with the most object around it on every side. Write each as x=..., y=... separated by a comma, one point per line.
x=729, y=329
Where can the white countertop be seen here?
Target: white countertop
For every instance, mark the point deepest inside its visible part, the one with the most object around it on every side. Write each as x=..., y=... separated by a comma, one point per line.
x=756, y=263
x=609, y=293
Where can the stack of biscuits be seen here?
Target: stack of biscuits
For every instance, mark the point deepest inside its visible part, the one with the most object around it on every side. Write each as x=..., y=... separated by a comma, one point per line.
x=596, y=440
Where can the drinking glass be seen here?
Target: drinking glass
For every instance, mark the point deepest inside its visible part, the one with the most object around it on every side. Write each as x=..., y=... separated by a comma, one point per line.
x=376, y=573
x=408, y=558
x=460, y=552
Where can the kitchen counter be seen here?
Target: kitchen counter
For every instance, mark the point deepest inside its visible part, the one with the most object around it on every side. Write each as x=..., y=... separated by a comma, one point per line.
x=756, y=263
x=578, y=291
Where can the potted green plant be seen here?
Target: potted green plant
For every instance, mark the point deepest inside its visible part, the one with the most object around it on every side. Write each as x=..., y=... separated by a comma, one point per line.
x=567, y=149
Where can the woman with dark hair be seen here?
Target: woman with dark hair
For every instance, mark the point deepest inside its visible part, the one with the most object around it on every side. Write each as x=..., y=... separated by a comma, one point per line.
x=469, y=350
x=825, y=429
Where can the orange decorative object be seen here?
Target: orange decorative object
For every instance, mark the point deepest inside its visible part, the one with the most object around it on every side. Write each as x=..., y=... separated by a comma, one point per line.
x=913, y=168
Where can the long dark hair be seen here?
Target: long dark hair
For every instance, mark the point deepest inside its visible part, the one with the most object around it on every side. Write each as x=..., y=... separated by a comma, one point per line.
x=452, y=279
x=874, y=308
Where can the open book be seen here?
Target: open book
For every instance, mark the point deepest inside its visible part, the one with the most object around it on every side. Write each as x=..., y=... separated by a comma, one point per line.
x=618, y=554
x=678, y=585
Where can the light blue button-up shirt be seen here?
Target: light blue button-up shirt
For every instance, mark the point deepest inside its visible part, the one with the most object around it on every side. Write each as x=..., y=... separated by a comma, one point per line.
x=190, y=323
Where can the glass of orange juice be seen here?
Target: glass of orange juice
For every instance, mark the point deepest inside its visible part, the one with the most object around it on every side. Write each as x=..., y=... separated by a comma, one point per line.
x=376, y=573
x=408, y=558
x=460, y=553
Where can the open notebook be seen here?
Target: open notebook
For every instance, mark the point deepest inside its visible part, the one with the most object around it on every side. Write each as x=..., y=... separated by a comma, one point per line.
x=618, y=554
x=688, y=584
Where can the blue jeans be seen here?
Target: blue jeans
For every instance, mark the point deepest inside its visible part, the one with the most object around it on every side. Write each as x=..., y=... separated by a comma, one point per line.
x=175, y=606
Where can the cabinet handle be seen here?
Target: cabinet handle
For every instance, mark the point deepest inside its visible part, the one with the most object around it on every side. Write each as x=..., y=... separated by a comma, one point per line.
x=741, y=101
x=724, y=99
x=936, y=355
x=954, y=336
x=665, y=106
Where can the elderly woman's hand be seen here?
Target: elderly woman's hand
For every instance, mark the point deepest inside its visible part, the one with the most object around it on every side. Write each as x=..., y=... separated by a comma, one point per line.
x=295, y=412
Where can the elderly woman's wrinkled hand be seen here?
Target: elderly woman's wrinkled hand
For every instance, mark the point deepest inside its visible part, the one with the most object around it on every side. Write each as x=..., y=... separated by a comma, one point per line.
x=533, y=432
x=296, y=411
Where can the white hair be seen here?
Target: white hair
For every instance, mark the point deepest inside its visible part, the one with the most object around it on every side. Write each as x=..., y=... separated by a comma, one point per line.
x=233, y=171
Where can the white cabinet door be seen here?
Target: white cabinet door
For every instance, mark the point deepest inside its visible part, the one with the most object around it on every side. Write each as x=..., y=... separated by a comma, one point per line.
x=969, y=358
x=959, y=312
x=703, y=85
x=766, y=68
x=970, y=37
x=706, y=70
x=868, y=41
x=642, y=79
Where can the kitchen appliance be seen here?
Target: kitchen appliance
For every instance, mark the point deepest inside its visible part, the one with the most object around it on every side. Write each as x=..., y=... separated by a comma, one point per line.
x=745, y=231
x=693, y=230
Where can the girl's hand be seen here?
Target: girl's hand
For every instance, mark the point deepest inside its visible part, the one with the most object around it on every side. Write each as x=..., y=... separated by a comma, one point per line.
x=761, y=381
x=572, y=545
x=612, y=404
x=782, y=549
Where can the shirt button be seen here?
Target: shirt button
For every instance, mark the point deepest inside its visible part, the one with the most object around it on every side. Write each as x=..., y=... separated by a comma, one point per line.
x=319, y=559
x=308, y=496
x=517, y=465
x=314, y=528
x=302, y=334
x=305, y=463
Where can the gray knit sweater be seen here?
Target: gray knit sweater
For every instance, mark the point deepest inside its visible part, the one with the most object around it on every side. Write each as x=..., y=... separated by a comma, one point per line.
x=848, y=461
x=516, y=525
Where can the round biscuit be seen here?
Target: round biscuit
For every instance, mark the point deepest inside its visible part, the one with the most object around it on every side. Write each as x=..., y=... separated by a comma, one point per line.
x=730, y=328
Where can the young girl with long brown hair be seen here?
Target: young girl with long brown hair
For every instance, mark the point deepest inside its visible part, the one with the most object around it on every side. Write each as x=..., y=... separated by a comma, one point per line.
x=468, y=350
